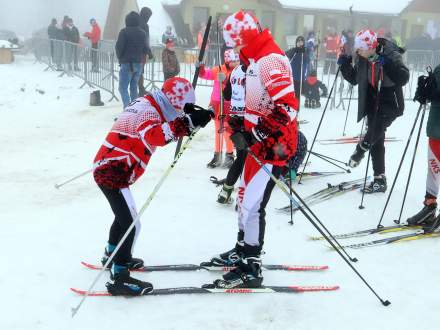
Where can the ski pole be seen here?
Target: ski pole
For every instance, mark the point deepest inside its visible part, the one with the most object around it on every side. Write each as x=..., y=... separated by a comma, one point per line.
x=372, y=127
x=290, y=193
x=136, y=220
x=320, y=123
x=379, y=225
x=322, y=157
x=348, y=109
x=59, y=185
x=286, y=192
x=196, y=73
x=298, y=203
x=412, y=164
x=221, y=80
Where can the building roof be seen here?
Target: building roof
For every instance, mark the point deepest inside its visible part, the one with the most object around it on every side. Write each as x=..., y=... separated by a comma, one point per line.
x=424, y=6
x=370, y=6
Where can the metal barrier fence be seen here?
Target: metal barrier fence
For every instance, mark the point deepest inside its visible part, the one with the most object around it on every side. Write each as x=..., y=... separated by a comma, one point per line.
x=95, y=67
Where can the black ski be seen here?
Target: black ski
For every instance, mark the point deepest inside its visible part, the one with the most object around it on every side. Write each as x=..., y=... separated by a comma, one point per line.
x=366, y=232
x=196, y=290
x=193, y=267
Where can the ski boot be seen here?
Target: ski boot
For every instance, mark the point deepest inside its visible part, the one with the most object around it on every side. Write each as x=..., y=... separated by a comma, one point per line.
x=378, y=185
x=313, y=103
x=215, y=161
x=358, y=154
x=224, y=197
x=425, y=216
x=431, y=225
x=317, y=105
x=246, y=275
x=229, y=160
x=229, y=258
x=307, y=103
x=123, y=284
x=134, y=263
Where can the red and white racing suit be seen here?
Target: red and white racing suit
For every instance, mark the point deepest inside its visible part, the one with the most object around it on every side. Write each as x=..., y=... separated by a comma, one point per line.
x=122, y=159
x=271, y=116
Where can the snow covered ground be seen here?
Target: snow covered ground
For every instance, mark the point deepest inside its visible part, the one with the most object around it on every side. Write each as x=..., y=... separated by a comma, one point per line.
x=48, y=138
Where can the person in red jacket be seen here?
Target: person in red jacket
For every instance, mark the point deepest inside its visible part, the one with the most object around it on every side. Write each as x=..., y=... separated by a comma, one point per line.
x=332, y=43
x=152, y=121
x=270, y=129
x=94, y=37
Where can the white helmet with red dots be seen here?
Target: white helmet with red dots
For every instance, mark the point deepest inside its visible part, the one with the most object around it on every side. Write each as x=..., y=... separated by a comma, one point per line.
x=179, y=92
x=231, y=56
x=365, y=40
x=240, y=28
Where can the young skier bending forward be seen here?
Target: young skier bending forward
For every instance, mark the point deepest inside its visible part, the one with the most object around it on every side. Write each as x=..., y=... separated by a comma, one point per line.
x=147, y=123
x=270, y=130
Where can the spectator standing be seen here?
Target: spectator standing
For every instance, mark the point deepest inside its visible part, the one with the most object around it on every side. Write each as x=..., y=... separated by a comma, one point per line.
x=55, y=34
x=331, y=43
x=94, y=36
x=71, y=34
x=131, y=47
x=145, y=15
x=171, y=67
x=299, y=61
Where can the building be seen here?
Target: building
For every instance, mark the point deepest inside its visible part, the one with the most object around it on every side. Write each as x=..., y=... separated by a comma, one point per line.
x=421, y=16
x=285, y=18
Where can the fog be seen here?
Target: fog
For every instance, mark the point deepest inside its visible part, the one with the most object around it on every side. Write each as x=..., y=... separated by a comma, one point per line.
x=25, y=16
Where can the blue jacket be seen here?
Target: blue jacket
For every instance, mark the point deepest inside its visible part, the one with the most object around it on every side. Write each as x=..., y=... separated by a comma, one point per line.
x=295, y=55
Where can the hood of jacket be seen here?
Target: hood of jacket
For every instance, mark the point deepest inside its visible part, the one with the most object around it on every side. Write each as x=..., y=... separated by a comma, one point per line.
x=146, y=14
x=132, y=19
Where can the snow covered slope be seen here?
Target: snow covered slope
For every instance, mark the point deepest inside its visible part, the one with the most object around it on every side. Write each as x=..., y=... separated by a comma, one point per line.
x=48, y=138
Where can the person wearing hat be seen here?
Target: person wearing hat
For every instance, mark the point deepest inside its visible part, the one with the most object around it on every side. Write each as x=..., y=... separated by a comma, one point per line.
x=270, y=132
x=170, y=64
x=154, y=120
x=299, y=58
x=378, y=62
x=94, y=36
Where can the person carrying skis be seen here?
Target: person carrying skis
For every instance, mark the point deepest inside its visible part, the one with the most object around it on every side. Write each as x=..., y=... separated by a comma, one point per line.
x=270, y=129
x=428, y=90
x=378, y=63
x=152, y=121
x=299, y=58
x=220, y=73
x=313, y=89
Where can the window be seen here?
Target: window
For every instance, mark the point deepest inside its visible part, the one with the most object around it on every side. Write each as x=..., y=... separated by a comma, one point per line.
x=200, y=17
x=291, y=24
x=267, y=20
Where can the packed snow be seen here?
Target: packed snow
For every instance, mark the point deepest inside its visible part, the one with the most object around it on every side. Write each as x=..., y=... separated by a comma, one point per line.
x=51, y=137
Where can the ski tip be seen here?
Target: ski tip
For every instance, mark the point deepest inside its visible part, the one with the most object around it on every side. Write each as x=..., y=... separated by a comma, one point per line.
x=90, y=294
x=315, y=288
x=90, y=266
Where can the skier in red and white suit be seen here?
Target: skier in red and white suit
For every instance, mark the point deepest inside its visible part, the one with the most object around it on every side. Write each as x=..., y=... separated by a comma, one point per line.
x=152, y=121
x=270, y=129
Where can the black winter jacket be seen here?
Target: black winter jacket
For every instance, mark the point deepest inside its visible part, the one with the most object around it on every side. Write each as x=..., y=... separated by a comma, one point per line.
x=395, y=75
x=71, y=35
x=131, y=46
x=145, y=15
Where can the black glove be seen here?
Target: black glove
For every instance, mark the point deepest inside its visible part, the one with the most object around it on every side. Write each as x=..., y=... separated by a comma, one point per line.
x=344, y=59
x=426, y=85
x=200, y=117
x=236, y=123
x=241, y=140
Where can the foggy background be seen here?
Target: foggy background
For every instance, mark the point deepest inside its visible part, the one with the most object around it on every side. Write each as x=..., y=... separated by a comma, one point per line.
x=25, y=16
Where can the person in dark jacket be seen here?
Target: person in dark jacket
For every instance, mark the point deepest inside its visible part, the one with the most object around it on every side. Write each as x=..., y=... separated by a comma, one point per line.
x=55, y=35
x=299, y=58
x=428, y=90
x=131, y=47
x=71, y=34
x=171, y=67
x=380, y=74
x=313, y=90
x=145, y=15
